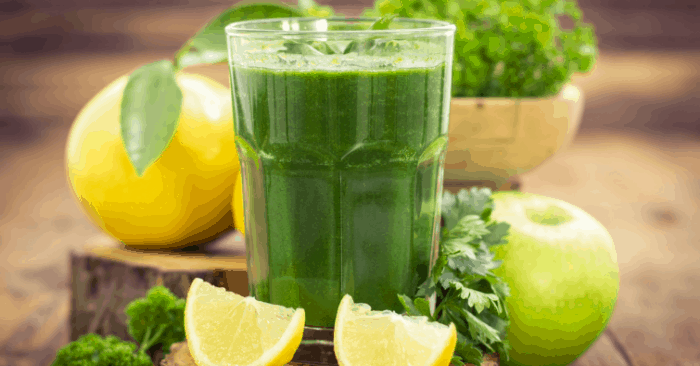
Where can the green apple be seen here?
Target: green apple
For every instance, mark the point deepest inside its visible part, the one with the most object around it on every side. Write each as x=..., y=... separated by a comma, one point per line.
x=561, y=266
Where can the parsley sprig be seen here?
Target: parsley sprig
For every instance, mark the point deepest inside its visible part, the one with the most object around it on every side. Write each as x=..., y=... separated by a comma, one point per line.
x=465, y=290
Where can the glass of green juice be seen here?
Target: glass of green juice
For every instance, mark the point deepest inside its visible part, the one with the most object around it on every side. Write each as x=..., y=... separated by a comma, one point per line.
x=341, y=131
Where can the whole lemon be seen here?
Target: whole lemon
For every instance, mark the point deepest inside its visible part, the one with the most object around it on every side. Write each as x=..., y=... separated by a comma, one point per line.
x=561, y=266
x=184, y=197
x=237, y=203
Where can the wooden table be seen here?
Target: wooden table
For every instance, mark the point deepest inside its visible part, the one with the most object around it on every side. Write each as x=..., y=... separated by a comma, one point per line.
x=642, y=187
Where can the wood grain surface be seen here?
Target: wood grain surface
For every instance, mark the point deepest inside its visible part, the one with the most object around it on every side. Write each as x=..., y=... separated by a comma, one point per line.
x=634, y=165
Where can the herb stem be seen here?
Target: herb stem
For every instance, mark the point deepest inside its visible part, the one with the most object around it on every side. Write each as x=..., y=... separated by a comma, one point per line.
x=149, y=342
x=146, y=340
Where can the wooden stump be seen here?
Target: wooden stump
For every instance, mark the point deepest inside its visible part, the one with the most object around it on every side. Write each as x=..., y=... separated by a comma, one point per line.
x=106, y=276
x=513, y=184
x=180, y=356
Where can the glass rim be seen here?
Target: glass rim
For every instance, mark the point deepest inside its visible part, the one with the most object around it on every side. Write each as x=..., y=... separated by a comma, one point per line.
x=438, y=26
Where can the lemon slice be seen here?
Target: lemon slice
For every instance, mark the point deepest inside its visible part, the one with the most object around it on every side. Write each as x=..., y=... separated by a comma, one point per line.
x=368, y=338
x=224, y=328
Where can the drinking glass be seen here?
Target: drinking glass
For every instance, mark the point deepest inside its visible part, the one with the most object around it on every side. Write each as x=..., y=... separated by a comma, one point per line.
x=341, y=131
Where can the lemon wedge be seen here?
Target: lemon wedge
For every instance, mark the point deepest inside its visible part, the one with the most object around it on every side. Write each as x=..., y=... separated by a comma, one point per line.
x=224, y=328
x=364, y=337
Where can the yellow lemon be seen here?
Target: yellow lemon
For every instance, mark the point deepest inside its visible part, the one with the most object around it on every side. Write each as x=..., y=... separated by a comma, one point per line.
x=184, y=197
x=238, y=221
x=223, y=328
x=364, y=337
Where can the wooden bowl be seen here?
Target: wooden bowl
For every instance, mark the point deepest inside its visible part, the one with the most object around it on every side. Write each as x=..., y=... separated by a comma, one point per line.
x=492, y=139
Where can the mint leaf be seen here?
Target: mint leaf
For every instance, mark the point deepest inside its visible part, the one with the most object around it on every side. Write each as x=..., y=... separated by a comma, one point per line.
x=209, y=45
x=150, y=111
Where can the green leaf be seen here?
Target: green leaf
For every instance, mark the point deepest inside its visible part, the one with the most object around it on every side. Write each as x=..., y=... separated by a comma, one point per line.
x=383, y=22
x=481, y=266
x=479, y=300
x=388, y=6
x=479, y=330
x=495, y=322
x=503, y=349
x=475, y=201
x=508, y=32
x=497, y=234
x=468, y=229
x=408, y=305
x=501, y=289
x=209, y=45
x=459, y=246
x=427, y=288
x=423, y=307
x=476, y=298
x=468, y=351
x=309, y=8
x=150, y=111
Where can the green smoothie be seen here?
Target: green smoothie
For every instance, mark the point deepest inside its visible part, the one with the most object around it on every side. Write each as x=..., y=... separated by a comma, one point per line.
x=342, y=172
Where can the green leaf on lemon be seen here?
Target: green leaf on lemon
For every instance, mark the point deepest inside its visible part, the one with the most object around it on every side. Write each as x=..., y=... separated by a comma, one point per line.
x=150, y=111
x=209, y=45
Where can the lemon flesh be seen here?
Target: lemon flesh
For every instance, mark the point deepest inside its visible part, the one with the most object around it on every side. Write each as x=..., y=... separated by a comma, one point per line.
x=367, y=338
x=224, y=328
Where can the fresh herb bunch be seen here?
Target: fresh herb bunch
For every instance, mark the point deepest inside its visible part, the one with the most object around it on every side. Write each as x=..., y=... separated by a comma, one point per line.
x=507, y=48
x=93, y=350
x=157, y=319
x=466, y=292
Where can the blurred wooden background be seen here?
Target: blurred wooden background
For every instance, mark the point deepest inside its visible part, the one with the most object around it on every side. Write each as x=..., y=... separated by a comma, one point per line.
x=634, y=164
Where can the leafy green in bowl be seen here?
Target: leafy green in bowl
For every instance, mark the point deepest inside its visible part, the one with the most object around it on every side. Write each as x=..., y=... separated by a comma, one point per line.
x=508, y=48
